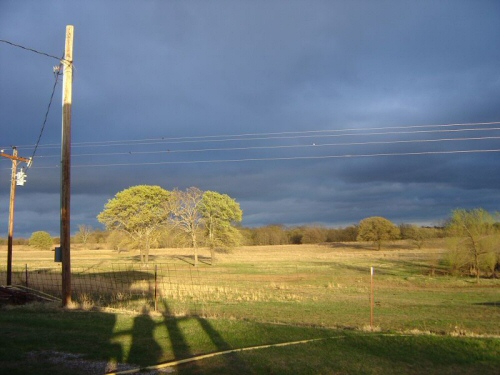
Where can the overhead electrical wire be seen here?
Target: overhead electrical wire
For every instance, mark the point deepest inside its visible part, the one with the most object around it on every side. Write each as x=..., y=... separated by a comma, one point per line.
x=231, y=137
x=281, y=147
x=344, y=156
x=289, y=135
x=318, y=134
x=281, y=135
x=32, y=50
x=57, y=74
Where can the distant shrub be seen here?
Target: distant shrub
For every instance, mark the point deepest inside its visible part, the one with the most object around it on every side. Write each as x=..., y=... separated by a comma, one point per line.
x=41, y=240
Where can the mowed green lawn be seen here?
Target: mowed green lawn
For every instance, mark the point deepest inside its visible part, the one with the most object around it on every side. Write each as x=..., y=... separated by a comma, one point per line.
x=33, y=340
x=425, y=321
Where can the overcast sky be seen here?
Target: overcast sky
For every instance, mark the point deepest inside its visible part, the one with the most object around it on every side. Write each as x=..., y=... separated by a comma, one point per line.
x=305, y=112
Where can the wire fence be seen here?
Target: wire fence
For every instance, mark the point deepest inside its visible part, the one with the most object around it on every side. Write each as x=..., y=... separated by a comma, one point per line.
x=178, y=288
x=319, y=293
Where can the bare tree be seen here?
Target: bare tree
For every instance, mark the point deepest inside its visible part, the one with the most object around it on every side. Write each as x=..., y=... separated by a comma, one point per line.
x=84, y=232
x=185, y=209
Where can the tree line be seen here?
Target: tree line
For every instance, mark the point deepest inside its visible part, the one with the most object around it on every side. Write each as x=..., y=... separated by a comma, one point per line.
x=267, y=235
x=145, y=216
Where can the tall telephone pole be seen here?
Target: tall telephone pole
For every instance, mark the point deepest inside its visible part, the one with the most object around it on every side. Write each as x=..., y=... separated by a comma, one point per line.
x=66, y=166
x=14, y=159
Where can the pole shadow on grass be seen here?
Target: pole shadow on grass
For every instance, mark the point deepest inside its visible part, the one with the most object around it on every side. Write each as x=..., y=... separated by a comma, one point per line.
x=144, y=350
x=181, y=348
x=233, y=360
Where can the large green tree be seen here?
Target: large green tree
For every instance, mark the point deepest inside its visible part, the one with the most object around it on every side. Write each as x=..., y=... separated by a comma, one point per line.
x=41, y=240
x=377, y=230
x=220, y=213
x=138, y=211
x=475, y=239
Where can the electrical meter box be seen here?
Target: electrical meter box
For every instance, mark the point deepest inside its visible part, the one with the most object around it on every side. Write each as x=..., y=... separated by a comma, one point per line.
x=58, y=255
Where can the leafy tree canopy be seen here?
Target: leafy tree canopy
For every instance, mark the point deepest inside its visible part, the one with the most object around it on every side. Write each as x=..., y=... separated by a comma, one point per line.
x=41, y=240
x=377, y=229
x=138, y=211
x=475, y=239
x=220, y=212
x=221, y=207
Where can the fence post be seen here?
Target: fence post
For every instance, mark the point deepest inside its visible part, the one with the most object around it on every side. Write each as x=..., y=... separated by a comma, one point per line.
x=371, y=298
x=156, y=287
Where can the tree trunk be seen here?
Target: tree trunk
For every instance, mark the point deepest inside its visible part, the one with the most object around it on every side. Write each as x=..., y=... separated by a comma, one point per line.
x=476, y=265
x=195, y=247
x=475, y=255
x=212, y=255
x=146, y=251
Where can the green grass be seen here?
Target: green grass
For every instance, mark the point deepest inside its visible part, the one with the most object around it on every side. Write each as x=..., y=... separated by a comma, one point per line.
x=311, y=285
x=265, y=295
x=150, y=339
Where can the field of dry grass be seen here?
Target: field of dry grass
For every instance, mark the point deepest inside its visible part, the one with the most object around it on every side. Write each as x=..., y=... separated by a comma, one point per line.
x=280, y=254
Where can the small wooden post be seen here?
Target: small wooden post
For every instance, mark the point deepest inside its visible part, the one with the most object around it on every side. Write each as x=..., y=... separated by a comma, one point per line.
x=156, y=287
x=372, y=303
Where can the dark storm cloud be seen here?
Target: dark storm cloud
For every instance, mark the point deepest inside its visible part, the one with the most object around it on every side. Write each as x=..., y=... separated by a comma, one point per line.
x=191, y=69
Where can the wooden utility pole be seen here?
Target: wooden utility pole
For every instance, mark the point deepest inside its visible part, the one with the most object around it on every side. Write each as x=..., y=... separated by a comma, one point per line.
x=13, y=179
x=66, y=166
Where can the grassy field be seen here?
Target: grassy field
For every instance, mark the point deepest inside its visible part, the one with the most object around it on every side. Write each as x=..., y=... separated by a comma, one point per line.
x=316, y=285
x=425, y=321
x=51, y=341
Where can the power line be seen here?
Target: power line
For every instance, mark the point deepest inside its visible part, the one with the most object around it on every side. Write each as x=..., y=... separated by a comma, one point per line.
x=237, y=139
x=344, y=156
x=57, y=74
x=282, y=135
x=32, y=50
x=298, y=133
x=315, y=145
x=441, y=129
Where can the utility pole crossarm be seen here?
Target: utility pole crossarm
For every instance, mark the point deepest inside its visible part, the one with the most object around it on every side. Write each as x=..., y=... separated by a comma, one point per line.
x=13, y=157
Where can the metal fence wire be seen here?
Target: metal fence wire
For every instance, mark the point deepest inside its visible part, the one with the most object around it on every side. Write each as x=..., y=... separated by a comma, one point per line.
x=186, y=289
x=319, y=293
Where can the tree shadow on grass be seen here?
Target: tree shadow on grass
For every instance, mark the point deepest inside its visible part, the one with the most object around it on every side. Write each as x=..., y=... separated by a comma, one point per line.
x=350, y=245
x=189, y=259
x=494, y=304
x=137, y=258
